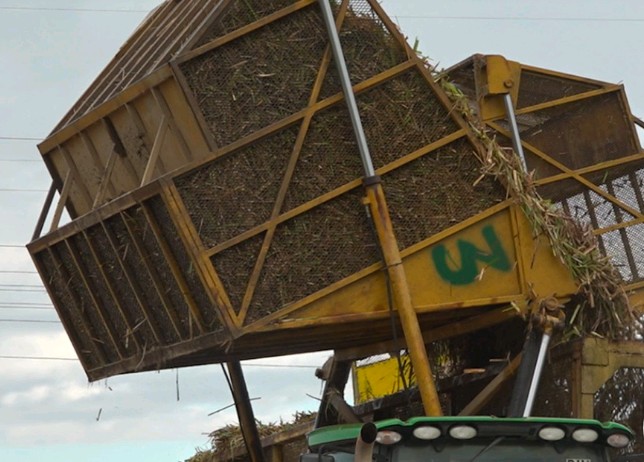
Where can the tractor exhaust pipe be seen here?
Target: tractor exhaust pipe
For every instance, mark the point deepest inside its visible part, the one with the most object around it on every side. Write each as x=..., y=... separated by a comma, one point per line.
x=365, y=443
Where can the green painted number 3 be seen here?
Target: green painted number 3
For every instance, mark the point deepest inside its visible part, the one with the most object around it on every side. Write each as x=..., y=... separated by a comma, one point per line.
x=470, y=256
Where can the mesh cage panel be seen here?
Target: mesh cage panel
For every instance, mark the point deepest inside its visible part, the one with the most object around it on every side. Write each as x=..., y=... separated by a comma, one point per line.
x=101, y=292
x=241, y=13
x=586, y=132
x=85, y=308
x=238, y=191
x=401, y=116
x=368, y=46
x=67, y=309
x=537, y=88
x=121, y=287
x=618, y=249
x=259, y=78
x=157, y=263
x=235, y=265
x=620, y=400
x=437, y=191
x=312, y=251
x=127, y=251
x=186, y=265
x=329, y=157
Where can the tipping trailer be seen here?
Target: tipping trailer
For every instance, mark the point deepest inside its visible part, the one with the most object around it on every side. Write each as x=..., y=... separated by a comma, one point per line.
x=235, y=191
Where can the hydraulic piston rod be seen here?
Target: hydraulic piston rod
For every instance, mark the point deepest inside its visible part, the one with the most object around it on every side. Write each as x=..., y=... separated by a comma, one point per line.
x=387, y=239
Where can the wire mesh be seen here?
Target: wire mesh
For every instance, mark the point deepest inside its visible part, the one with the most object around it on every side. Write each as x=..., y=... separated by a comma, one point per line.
x=145, y=287
x=401, y=116
x=312, y=251
x=239, y=14
x=207, y=308
x=537, y=88
x=259, y=78
x=236, y=192
x=124, y=292
x=421, y=205
x=329, y=157
x=369, y=48
x=101, y=291
x=235, y=265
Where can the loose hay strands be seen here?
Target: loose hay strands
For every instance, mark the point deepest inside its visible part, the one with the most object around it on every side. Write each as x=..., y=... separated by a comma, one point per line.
x=603, y=307
x=229, y=438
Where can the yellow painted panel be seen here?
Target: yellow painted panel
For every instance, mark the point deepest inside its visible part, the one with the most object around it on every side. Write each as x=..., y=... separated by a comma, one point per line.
x=379, y=379
x=491, y=261
x=474, y=263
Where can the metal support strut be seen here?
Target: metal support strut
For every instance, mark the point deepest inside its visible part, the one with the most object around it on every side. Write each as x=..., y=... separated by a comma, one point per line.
x=382, y=222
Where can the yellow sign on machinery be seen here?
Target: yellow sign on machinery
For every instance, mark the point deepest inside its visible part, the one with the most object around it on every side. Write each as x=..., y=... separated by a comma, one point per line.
x=381, y=378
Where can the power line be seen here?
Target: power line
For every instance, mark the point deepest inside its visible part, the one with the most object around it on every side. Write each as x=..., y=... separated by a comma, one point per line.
x=13, y=307
x=20, y=160
x=19, y=138
x=521, y=18
x=12, y=246
x=38, y=358
x=17, y=272
x=22, y=190
x=33, y=321
x=83, y=10
x=2, y=289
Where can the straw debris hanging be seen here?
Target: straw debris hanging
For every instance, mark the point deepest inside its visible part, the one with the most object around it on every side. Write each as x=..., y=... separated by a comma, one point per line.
x=602, y=308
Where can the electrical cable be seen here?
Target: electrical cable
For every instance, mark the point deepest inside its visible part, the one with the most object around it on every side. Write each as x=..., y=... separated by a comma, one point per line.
x=39, y=358
x=30, y=321
x=521, y=18
x=82, y=10
x=19, y=138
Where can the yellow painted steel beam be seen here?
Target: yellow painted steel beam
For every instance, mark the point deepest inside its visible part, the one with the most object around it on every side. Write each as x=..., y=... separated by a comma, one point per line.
x=375, y=198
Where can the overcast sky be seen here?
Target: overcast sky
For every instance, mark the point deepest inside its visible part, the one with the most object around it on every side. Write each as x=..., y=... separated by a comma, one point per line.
x=47, y=409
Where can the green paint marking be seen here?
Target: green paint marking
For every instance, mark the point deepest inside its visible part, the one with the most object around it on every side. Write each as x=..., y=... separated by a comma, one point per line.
x=470, y=255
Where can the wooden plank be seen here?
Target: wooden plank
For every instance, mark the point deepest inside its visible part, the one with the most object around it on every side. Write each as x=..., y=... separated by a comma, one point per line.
x=154, y=154
x=120, y=150
x=130, y=64
x=80, y=180
x=60, y=206
x=207, y=275
x=105, y=183
x=114, y=67
x=40, y=224
x=484, y=397
x=188, y=114
x=69, y=130
x=172, y=124
x=105, y=180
